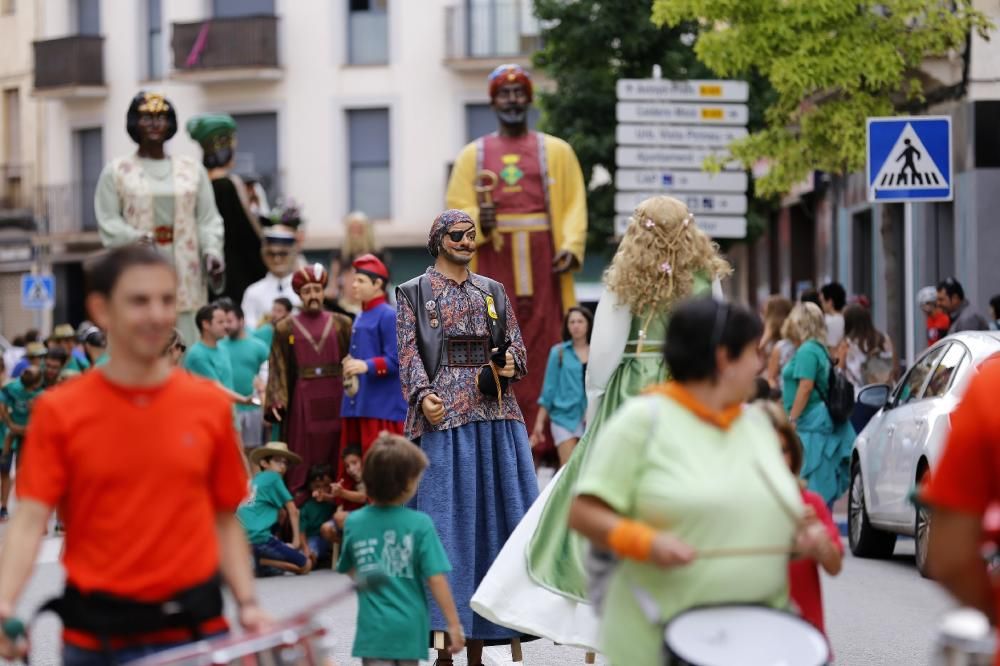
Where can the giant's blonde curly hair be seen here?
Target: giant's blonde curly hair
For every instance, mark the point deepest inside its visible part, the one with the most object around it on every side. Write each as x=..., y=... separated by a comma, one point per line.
x=660, y=254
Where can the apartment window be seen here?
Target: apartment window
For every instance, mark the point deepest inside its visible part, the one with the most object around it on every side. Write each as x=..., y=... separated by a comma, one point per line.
x=90, y=161
x=480, y=120
x=498, y=28
x=12, y=126
x=88, y=17
x=239, y=8
x=257, y=150
x=154, y=27
x=368, y=131
x=368, y=32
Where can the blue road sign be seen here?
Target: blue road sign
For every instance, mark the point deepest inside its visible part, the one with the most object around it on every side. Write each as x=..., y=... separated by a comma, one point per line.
x=38, y=292
x=909, y=159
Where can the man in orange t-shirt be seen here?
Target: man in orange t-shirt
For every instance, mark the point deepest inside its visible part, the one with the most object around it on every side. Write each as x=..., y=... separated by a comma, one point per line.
x=966, y=481
x=144, y=463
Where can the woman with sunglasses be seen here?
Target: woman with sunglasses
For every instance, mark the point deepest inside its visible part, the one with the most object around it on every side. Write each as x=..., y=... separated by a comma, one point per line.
x=175, y=349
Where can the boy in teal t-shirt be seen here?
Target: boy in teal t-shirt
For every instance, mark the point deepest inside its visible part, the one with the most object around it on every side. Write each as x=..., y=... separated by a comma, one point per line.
x=259, y=513
x=316, y=511
x=16, y=399
x=399, y=547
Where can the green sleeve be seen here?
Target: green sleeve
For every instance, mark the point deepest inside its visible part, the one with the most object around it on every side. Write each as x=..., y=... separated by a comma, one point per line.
x=114, y=229
x=615, y=459
x=431, y=558
x=209, y=222
x=272, y=491
x=199, y=364
x=346, y=561
x=809, y=362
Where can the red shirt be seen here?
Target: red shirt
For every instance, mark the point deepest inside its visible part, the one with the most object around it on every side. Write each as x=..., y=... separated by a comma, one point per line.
x=937, y=326
x=967, y=478
x=140, y=475
x=803, y=573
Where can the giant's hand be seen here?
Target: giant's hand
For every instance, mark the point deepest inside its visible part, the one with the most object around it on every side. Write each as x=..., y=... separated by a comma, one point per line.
x=564, y=262
x=487, y=218
x=508, y=369
x=433, y=408
x=214, y=266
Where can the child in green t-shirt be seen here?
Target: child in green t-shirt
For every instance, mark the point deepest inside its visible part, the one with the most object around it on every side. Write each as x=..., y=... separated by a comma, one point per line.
x=317, y=510
x=259, y=513
x=15, y=402
x=387, y=539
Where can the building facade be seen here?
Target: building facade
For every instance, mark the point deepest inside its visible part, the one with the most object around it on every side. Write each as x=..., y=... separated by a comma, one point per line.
x=347, y=105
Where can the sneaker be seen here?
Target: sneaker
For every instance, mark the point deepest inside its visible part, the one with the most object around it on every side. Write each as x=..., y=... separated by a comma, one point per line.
x=4, y=516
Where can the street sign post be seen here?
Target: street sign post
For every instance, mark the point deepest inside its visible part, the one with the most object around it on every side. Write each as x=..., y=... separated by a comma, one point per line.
x=909, y=159
x=666, y=131
x=38, y=292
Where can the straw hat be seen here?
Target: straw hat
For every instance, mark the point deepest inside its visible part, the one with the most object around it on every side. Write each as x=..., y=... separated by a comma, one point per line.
x=274, y=449
x=35, y=350
x=63, y=332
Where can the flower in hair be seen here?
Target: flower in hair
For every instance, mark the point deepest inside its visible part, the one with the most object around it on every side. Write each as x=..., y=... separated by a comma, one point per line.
x=649, y=224
x=666, y=267
x=688, y=219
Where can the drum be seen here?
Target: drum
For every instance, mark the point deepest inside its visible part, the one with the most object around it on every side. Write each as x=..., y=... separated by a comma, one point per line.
x=743, y=635
x=965, y=639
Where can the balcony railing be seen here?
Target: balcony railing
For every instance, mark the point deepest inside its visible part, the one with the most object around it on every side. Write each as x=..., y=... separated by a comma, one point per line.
x=227, y=49
x=67, y=210
x=484, y=32
x=70, y=66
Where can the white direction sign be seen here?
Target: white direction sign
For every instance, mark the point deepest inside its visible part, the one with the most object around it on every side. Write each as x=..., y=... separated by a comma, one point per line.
x=681, y=181
x=678, y=135
x=683, y=91
x=654, y=112
x=716, y=226
x=668, y=158
x=697, y=202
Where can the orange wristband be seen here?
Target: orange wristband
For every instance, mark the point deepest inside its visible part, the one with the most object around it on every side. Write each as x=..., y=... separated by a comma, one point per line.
x=632, y=540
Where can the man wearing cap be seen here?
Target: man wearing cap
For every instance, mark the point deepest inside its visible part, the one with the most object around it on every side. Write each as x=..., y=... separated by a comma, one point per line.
x=34, y=355
x=280, y=253
x=373, y=401
x=64, y=335
x=459, y=348
x=525, y=190
x=216, y=133
x=166, y=201
x=305, y=383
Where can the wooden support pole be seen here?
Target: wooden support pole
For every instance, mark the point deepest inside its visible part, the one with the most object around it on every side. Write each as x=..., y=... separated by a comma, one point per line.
x=515, y=650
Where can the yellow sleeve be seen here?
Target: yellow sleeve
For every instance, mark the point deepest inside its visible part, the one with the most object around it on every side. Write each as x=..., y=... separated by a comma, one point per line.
x=462, y=186
x=567, y=197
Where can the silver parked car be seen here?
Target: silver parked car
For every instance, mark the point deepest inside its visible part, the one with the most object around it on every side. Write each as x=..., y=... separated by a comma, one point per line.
x=903, y=440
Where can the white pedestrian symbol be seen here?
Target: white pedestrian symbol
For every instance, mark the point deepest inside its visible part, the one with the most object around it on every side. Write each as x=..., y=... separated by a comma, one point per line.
x=909, y=166
x=37, y=293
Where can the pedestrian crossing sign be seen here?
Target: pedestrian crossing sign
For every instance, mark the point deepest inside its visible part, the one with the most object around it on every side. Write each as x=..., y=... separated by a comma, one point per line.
x=38, y=292
x=909, y=159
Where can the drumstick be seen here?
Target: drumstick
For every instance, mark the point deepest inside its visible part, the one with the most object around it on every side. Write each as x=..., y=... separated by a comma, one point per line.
x=745, y=551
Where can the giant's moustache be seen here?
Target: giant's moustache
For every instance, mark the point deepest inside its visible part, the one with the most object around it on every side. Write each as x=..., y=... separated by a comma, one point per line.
x=513, y=115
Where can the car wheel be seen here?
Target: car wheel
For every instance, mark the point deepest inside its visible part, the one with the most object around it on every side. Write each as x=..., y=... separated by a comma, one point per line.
x=921, y=536
x=864, y=539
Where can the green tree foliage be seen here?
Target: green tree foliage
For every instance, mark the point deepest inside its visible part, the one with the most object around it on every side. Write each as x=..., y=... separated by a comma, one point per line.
x=589, y=44
x=832, y=63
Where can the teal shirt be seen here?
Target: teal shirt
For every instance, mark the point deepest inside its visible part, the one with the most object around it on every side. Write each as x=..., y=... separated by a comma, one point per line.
x=563, y=395
x=18, y=401
x=246, y=355
x=402, y=544
x=259, y=512
x=211, y=363
x=312, y=515
x=78, y=364
x=265, y=334
x=810, y=362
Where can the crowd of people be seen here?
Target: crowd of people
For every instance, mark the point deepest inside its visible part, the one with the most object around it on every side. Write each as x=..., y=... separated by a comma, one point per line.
x=302, y=420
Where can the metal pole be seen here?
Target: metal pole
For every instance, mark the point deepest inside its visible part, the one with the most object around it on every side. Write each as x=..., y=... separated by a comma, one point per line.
x=909, y=295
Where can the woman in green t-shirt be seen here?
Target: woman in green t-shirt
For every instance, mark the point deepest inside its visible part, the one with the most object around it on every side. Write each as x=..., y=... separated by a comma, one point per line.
x=804, y=382
x=688, y=488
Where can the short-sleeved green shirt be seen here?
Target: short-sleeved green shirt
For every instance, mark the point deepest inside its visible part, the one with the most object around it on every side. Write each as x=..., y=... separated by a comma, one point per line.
x=18, y=401
x=658, y=463
x=402, y=544
x=312, y=515
x=264, y=333
x=246, y=355
x=259, y=512
x=210, y=362
x=810, y=362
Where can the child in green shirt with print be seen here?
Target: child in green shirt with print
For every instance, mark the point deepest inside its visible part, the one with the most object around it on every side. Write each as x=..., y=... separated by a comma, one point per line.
x=259, y=513
x=388, y=539
x=317, y=510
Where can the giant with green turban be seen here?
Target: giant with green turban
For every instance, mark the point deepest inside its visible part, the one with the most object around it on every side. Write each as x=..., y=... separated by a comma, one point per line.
x=216, y=132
